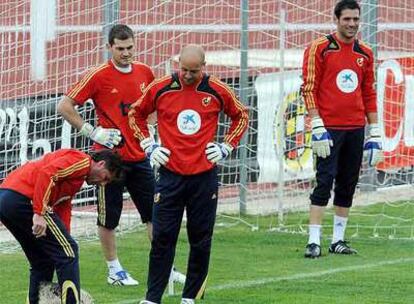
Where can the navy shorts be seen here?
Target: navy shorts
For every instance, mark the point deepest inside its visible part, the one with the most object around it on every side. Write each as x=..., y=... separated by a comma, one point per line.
x=139, y=181
x=342, y=166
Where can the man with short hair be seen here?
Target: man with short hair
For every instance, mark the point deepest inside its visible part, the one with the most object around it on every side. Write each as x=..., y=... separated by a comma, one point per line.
x=113, y=87
x=35, y=206
x=338, y=89
x=188, y=104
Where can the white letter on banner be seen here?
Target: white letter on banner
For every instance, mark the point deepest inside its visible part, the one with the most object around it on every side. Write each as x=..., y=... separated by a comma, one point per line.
x=390, y=143
x=23, y=134
x=409, y=111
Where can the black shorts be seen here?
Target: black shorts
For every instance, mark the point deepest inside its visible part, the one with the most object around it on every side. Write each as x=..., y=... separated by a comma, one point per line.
x=139, y=181
x=343, y=166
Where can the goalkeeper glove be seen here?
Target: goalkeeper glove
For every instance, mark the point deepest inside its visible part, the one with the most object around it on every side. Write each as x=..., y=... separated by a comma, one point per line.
x=373, y=146
x=159, y=156
x=216, y=152
x=106, y=137
x=321, y=140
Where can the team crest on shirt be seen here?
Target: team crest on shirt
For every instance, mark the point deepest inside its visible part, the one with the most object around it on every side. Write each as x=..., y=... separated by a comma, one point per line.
x=206, y=101
x=142, y=87
x=188, y=122
x=347, y=81
x=360, y=61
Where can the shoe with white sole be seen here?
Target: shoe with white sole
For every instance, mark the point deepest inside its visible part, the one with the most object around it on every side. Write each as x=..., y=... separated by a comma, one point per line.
x=187, y=301
x=122, y=278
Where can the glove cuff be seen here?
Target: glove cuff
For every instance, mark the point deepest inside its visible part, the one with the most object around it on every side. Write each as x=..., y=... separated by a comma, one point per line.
x=373, y=130
x=229, y=148
x=86, y=129
x=317, y=122
x=147, y=144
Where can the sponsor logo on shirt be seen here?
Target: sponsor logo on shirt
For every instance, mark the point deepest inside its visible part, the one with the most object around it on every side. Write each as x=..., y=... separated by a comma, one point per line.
x=347, y=81
x=206, y=101
x=114, y=91
x=188, y=122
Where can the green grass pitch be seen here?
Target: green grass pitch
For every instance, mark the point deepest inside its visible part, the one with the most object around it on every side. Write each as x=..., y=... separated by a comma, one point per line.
x=250, y=267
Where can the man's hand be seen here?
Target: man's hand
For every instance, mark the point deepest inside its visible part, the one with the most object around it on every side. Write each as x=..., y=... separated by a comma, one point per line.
x=159, y=156
x=321, y=140
x=106, y=137
x=216, y=152
x=373, y=145
x=39, y=225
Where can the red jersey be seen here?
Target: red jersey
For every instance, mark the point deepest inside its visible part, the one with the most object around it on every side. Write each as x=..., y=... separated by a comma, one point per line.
x=52, y=181
x=338, y=80
x=112, y=93
x=188, y=119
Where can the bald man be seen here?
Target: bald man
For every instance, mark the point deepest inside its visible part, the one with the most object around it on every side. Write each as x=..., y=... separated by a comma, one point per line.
x=188, y=104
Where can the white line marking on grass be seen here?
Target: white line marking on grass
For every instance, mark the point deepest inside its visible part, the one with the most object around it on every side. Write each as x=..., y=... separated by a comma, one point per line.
x=298, y=276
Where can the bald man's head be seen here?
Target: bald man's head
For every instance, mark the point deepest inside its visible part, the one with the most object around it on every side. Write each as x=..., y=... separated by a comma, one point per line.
x=192, y=62
x=193, y=51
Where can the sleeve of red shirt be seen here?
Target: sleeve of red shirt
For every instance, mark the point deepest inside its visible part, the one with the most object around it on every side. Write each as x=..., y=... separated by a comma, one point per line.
x=237, y=112
x=369, y=94
x=72, y=165
x=84, y=88
x=139, y=111
x=312, y=62
x=64, y=212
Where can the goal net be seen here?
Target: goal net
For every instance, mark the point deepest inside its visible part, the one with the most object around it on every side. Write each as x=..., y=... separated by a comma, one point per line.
x=47, y=44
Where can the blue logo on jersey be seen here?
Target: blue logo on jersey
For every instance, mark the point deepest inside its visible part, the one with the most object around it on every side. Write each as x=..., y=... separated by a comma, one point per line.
x=189, y=118
x=347, y=77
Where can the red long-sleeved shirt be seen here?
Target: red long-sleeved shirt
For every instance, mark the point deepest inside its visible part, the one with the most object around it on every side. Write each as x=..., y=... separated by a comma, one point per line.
x=52, y=181
x=112, y=93
x=338, y=80
x=188, y=119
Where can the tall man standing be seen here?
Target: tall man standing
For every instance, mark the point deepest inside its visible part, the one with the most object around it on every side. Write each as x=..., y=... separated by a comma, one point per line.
x=35, y=205
x=338, y=89
x=188, y=104
x=113, y=86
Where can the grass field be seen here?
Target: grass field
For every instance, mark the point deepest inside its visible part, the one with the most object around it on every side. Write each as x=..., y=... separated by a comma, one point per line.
x=251, y=267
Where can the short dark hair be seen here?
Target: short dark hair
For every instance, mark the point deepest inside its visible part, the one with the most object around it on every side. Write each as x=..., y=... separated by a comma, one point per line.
x=112, y=160
x=121, y=32
x=346, y=4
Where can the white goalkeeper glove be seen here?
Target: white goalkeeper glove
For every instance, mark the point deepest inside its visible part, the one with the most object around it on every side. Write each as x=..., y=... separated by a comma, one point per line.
x=216, y=152
x=373, y=145
x=106, y=137
x=159, y=156
x=321, y=140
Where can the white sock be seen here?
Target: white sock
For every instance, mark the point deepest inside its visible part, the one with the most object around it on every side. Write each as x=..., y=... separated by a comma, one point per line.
x=114, y=266
x=315, y=234
x=339, y=228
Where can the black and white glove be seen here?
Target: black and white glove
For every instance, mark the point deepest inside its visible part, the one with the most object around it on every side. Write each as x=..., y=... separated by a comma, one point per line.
x=105, y=137
x=159, y=156
x=217, y=151
x=321, y=140
x=373, y=145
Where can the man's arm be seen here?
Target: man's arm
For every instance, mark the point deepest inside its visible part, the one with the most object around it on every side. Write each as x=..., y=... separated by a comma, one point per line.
x=311, y=71
x=239, y=116
x=139, y=112
x=66, y=108
x=106, y=137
